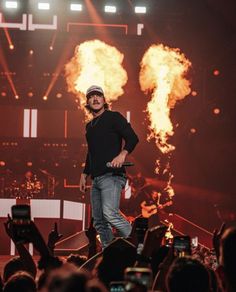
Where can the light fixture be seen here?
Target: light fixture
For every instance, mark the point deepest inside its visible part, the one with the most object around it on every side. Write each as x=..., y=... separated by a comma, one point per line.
x=216, y=111
x=110, y=9
x=43, y=6
x=140, y=9
x=216, y=72
x=11, y=4
x=76, y=7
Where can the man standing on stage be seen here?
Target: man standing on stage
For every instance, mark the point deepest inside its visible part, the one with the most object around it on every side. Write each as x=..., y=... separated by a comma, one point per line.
x=104, y=134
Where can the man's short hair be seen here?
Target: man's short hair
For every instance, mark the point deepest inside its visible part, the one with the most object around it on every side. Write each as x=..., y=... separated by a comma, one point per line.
x=20, y=281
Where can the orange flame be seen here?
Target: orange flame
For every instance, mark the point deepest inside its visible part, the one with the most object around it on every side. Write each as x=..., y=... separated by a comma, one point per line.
x=97, y=63
x=163, y=70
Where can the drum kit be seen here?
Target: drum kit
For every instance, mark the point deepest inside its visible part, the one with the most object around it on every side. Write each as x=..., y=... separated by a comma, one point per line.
x=28, y=187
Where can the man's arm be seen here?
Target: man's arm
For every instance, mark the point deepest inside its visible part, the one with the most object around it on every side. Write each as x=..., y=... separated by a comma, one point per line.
x=84, y=175
x=127, y=133
x=22, y=251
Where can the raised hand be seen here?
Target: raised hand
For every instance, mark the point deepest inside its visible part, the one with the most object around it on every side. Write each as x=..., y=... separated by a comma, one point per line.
x=53, y=237
x=8, y=227
x=91, y=232
x=217, y=234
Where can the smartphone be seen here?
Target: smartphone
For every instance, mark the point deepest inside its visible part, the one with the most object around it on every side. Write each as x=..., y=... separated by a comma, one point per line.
x=117, y=286
x=21, y=217
x=139, y=275
x=21, y=214
x=194, y=242
x=182, y=246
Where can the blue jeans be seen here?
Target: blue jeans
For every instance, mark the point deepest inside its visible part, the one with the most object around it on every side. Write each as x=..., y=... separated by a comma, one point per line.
x=105, y=201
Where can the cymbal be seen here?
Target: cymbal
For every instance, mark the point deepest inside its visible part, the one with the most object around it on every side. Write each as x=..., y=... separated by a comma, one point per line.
x=44, y=171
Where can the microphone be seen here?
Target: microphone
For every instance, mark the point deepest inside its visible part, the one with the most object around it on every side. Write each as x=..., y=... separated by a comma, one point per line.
x=126, y=163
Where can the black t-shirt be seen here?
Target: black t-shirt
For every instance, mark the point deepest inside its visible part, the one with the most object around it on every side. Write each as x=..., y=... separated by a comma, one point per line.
x=104, y=136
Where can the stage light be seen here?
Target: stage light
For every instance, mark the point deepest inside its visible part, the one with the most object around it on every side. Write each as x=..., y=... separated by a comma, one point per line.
x=76, y=7
x=194, y=93
x=140, y=9
x=45, y=97
x=3, y=93
x=59, y=95
x=216, y=111
x=30, y=94
x=110, y=9
x=193, y=130
x=43, y=6
x=29, y=163
x=11, y=4
x=17, y=97
x=216, y=72
x=2, y=163
x=31, y=52
x=51, y=48
x=11, y=47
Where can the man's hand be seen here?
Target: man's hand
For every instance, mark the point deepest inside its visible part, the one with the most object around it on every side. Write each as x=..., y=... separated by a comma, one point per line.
x=53, y=237
x=9, y=228
x=82, y=183
x=217, y=234
x=119, y=160
x=91, y=232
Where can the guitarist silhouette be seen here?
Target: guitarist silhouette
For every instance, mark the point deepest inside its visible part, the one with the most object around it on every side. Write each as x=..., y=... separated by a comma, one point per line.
x=151, y=207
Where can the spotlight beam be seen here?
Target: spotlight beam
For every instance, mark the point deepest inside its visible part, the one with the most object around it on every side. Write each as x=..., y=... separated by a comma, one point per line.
x=6, y=69
x=58, y=68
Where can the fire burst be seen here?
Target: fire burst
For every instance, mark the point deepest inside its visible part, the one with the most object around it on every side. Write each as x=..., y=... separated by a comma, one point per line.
x=95, y=62
x=162, y=71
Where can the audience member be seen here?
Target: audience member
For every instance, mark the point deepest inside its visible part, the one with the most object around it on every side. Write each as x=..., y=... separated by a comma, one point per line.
x=187, y=275
x=227, y=260
x=20, y=281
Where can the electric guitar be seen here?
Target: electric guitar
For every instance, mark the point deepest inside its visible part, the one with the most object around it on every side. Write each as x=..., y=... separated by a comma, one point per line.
x=149, y=210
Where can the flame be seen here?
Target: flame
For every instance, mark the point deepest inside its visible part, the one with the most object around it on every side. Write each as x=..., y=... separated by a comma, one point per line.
x=96, y=63
x=162, y=71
